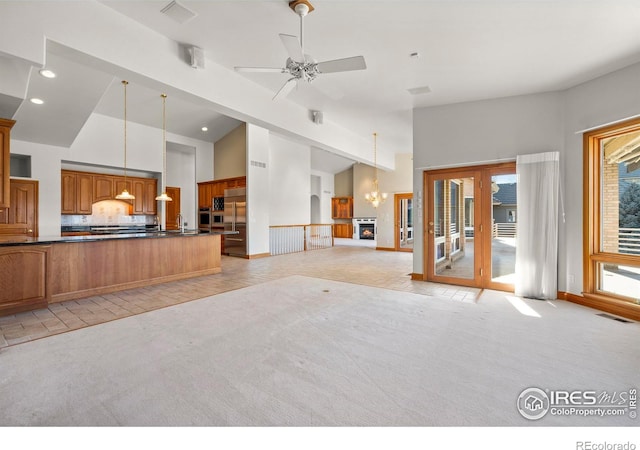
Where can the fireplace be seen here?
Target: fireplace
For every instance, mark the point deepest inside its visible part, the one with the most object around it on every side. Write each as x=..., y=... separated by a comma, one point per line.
x=364, y=228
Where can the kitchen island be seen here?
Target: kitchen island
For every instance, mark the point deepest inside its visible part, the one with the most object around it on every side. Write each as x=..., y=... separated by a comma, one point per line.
x=37, y=271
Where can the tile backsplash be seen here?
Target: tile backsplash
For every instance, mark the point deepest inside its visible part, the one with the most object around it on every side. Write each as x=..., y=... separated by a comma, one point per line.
x=108, y=212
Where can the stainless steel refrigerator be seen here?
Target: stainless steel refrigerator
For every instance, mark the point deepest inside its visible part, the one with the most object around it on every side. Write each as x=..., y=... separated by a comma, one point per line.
x=235, y=219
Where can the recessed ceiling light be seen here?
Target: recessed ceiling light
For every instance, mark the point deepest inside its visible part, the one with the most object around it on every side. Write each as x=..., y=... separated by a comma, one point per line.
x=47, y=73
x=204, y=129
x=37, y=101
x=419, y=90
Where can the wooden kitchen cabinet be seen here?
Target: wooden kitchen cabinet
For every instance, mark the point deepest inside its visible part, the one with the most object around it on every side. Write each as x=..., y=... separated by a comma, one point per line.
x=343, y=230
x=84, y=193
x=103, y=187
x=24, y=277
x=81, y=189
x=205, y=195
x=68, y=192
x=77, y=192
x=5, y=170
x=342, y=208
x=150, y=194
x=207, y=190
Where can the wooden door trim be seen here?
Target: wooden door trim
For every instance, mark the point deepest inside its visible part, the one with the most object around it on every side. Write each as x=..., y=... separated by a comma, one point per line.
x=482, y=245
x=461, y=172
x=396, y=218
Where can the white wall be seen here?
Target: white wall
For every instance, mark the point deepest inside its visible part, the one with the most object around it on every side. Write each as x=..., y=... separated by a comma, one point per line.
x=181, y=172
x=45, y=167
x=363, y=176
x=607, y=99
x=230, y=154
x=399, y=181
x=325, y=193
x=481, y=132
x=502, y=128
x=289, y=182
x=257, y=190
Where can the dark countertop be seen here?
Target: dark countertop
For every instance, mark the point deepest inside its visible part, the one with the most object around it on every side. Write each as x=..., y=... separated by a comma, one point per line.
x=46, y=240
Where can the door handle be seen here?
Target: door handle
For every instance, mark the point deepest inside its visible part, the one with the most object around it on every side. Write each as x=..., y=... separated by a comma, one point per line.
x=29, y=231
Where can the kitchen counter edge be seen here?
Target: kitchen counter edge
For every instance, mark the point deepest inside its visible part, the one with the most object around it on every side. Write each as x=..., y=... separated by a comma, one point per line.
x=103, y=237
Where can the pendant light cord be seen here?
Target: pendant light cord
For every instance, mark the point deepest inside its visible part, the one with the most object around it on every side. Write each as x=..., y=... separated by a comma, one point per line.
x=124, y=83
x=375, y=157
x=164, y=142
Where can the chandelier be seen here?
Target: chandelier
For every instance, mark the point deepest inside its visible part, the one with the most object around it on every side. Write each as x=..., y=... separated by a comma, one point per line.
x=375, y=197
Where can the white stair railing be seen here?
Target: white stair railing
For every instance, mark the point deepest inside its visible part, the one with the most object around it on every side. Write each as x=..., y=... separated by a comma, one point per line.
x=297, y=238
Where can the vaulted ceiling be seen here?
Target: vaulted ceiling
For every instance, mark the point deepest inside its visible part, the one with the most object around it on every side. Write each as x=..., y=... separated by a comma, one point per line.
x=453, y=51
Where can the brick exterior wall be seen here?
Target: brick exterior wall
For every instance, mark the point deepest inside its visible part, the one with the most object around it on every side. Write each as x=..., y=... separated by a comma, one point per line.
x=610, y=207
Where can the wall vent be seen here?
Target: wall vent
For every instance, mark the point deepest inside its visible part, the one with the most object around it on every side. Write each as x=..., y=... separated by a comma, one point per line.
x=609, y=316
x=258, y=164
x=178, y=12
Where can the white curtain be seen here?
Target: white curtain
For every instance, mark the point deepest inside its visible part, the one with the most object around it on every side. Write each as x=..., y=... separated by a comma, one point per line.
x=537, y=226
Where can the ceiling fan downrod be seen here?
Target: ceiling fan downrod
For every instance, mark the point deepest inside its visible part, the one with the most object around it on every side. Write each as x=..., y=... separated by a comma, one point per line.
x=301, y=8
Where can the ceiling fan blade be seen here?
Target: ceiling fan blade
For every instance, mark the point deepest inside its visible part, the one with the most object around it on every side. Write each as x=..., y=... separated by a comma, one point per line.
x=260, y=69
x=286, y=88
x=342, y=65
x=294, y=49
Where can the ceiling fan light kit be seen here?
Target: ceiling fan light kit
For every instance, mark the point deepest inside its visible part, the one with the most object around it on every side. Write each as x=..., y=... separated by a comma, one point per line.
x=299, y=65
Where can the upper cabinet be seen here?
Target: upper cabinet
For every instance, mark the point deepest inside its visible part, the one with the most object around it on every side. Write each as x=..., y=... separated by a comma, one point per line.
x=208, y=190
x=5, y=172
x=342, y=207
x=103, y=187
x=81, y=189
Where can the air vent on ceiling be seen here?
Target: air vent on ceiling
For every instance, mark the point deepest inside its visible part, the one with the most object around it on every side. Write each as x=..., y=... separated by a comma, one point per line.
x=419, y=90
x=178, y=12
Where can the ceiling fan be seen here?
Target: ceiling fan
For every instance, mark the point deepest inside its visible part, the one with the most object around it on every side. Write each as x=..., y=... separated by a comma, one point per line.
x=300, y=65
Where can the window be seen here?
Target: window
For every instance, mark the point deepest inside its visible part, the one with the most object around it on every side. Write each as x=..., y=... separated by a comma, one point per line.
x=612, y=213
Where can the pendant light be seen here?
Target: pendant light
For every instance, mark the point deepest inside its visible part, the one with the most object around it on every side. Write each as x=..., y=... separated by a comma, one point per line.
x=164, y=197
x=124, y=195
x=375, y=197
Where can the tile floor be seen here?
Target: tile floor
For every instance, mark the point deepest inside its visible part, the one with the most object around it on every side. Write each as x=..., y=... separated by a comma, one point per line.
x=358, y=265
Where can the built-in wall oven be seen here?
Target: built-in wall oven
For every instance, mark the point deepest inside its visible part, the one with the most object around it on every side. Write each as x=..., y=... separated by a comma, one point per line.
x=204, y=219
x=209, y=219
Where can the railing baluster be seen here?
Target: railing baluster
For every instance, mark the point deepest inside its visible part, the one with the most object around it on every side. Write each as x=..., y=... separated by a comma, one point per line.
x=298, y=238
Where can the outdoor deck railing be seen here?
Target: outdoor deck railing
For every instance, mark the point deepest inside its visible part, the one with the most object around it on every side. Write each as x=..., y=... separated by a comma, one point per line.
x=504, y=229
x=298, y=238
x=629, y=240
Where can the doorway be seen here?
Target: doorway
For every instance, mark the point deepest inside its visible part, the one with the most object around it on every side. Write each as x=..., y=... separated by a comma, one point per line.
x=173, y=209
x=20, y=220
x=403, y=219
x=471, y=216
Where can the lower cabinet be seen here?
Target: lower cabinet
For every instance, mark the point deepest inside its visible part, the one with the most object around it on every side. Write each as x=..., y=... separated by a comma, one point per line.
x=24, y=277
x=343, y=230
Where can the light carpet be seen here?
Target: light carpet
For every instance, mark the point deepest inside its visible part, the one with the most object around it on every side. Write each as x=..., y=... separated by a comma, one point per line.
x=302, y=351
